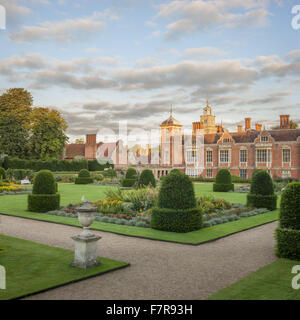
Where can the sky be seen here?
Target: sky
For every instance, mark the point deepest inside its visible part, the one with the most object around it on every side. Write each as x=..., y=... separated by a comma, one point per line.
x=101, y=62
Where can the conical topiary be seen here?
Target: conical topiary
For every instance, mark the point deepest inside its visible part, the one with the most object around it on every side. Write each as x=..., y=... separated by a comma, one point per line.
x=176, y=209
x=44, y=195
x=147, y=179
x=262, y=191
x=84, y=177
x=223, y=182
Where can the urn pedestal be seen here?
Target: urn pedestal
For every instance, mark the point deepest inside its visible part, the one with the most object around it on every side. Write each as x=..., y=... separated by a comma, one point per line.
x=86, y=243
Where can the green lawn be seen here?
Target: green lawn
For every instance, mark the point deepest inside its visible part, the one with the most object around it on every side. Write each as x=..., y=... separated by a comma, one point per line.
x=272, y=282
x=32, y=267
x=71, y=193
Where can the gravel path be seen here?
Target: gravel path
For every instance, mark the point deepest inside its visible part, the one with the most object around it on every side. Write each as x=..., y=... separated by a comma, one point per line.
x=159, y=270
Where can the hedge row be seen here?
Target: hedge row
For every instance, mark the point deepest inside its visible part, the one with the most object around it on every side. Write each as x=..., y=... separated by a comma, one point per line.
x=128, y=183
x=176, y=220
x=54, y=165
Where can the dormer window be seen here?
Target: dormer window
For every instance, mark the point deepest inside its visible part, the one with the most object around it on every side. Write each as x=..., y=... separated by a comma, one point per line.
x=226, y=140
x=264, y=139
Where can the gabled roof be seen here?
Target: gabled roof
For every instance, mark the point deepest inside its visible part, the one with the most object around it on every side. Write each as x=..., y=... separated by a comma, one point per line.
x=250, y=135
x=171, y=121
x=73, y=150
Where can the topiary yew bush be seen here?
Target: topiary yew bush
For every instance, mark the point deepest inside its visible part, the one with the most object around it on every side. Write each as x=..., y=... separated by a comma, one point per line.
x=288, y=233
x=223, y=182
x=177, y=210
x=44, y=195
x=130, y=178
x=147, y=178
x=84, y=177
x=262, y=191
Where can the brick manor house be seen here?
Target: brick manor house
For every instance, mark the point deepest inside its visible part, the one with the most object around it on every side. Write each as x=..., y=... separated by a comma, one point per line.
x=242, y=152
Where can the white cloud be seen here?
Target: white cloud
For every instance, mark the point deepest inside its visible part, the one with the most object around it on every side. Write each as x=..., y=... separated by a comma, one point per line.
x=205, y=52
x=189, y=16
x=63, y=31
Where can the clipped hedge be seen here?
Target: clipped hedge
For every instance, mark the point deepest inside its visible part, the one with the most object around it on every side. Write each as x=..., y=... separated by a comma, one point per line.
x=84, y=177
x=176, y=220
x=288, y=243
x=176, y=192
x=223, y=182
x=44, y=197
x=288, y=233
x=44, y=183
x=2, y=173
x=290, y=207
x=43, y=202
x=84, y=180
x=262, y=191
x=147, y=178
x=131, y=173
x=260, y=201
x=223, y=187
x=128, y=183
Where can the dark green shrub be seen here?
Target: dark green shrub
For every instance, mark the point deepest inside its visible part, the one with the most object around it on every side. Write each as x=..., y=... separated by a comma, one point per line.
x=83, y=180
x=175, y=170
x=177, y=210
x=2, y=173
x=44, y=183
x=288, y=243
x=128, y=183
x=84, y=174
x=290, y=207
x=43, y=202
x=110, y=173
x=262, y=183
x=262, y=191
x=84, y=177
x=223, y=182
x=176, y=192
x=44, y=197
x=176, y=220
x=131, y=173
x=147, y=178
x=288, y=233
x=260, y=201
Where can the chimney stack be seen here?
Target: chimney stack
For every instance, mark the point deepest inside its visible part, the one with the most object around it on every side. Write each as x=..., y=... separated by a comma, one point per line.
x=91, y=138
x=285, y=121
x=240, y=128
x=247, y=124
x=258, y=127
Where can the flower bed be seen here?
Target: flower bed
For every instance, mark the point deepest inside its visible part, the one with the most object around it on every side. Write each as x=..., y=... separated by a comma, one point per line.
x=7, y=188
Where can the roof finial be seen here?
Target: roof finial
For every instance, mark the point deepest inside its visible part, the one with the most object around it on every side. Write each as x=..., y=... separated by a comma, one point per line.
x=207, y=101
x=171, y=111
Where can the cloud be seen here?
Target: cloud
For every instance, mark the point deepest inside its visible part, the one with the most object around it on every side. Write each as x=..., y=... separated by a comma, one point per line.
x=146, y=62
x=63, y=31
x=205, y=52
x=15, y=12
x=199, y=15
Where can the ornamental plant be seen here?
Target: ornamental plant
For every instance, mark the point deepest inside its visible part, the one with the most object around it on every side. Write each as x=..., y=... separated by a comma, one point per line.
x=130, y=178
x=223, y=182
x=147, y=179
x=288, y=233
x=176, y=210
x=262, y=191
x=44, y=195
x=84, y=177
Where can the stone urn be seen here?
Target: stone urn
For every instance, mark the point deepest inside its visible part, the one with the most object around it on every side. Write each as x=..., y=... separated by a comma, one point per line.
x=86, y=216
x=86, y=243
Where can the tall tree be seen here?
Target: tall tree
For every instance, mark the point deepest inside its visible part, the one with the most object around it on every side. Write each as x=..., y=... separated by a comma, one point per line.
x=15, y=109
x=18, y=102
x=13, y=136
x=47, y=138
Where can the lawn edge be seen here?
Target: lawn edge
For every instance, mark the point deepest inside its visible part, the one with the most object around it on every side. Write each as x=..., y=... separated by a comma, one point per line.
x=144, y=237
x=127, y=264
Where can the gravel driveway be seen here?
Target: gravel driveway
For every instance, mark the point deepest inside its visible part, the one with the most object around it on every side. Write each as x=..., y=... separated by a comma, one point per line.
x=159, y=270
